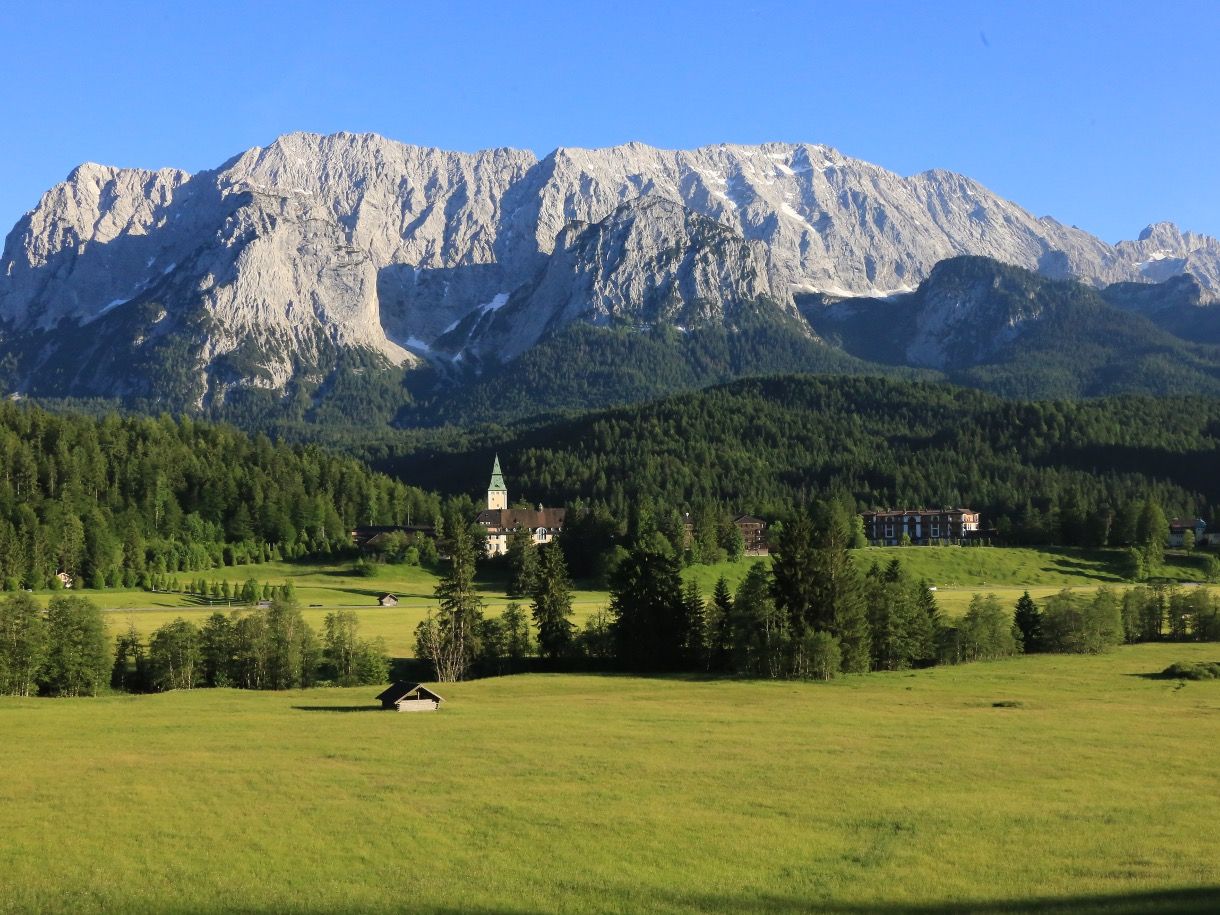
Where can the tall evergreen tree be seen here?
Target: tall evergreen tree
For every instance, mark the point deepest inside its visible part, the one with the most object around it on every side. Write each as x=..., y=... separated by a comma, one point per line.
x=449, y=640
x=522, y=557
x=552, y=604
x=130, y=669
x=650, y=627
x=720, y=627
x=762, y=630
x=695, y=615
x=1029, y=621
x=1152, y=532
x=216, y=649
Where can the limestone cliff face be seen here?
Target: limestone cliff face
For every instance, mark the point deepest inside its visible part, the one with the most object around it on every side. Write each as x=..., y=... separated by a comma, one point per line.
x=650, y=262
x=362, y=241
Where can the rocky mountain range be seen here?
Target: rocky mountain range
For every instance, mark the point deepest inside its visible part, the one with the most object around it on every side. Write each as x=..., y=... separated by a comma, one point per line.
x=260, y=271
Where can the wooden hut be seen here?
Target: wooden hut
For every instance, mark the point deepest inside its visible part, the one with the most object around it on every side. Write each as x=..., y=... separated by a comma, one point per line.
x=410, y=697
x=388, y=600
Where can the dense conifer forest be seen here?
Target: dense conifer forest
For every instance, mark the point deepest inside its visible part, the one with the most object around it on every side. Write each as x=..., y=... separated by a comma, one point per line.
x=1072, y=472
x=115, y=500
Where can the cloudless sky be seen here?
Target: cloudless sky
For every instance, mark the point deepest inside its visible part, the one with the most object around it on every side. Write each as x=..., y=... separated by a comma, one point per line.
x=1103, y=114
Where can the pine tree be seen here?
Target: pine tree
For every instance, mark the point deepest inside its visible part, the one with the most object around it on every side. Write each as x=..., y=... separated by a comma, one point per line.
x=720, y=627
x=1028, y=620
x=696, y=623
x=649, y=616
x=1152, y=533
x=129, y=671
x=449, y=640
x=762, y=631
x=341, y=645
x=216, y=650
x=517, y=641
x=839, y=596
x=522, y=557
x=552, y=604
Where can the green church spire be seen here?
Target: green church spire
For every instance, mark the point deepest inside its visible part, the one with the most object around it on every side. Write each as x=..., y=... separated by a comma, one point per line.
x=497, y=478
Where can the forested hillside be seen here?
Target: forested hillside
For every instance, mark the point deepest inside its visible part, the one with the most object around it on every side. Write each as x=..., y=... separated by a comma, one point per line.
x=1000, y=328
x=112, y=500
x=1069, y=472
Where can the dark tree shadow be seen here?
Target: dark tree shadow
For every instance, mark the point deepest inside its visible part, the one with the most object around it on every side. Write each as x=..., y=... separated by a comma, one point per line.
x=338, y=708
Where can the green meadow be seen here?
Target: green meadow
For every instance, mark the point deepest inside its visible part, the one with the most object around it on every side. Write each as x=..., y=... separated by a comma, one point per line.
x=957, y=573
x=1091, y=787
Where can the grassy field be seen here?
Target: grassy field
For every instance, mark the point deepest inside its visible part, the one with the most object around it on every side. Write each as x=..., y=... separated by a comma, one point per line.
x=957, y=573
x=883, y=792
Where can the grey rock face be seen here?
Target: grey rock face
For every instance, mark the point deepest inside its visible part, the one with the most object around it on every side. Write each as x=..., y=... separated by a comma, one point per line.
x=401, y=249
x=650, y=262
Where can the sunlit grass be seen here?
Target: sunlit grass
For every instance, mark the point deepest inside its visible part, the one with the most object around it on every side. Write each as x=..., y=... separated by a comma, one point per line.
x=616, y=794
x=957, y=573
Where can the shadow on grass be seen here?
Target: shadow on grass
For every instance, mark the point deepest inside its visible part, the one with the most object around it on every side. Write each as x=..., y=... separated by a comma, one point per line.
x=1091, y=571
x=1197, y=901
x=338, y=708
x=1180, y=674
x=1183, y=901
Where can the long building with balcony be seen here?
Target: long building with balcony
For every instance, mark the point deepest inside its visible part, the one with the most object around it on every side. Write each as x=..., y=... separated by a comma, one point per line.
x=921, y=526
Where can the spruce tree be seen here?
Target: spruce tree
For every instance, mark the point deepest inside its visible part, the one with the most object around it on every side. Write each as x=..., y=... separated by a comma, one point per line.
x=522, y=556
x=552, y=604
x=720, y=627
x=1028, y=619
x=449, y=640
x=649, y=615
x=696, y=625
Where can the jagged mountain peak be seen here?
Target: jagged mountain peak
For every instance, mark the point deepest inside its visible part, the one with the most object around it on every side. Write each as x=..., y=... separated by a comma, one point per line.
x=451, y=239
x=650, y=262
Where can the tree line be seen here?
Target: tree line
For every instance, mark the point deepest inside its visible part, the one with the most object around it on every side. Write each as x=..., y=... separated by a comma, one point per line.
x=65, y=650
x=810, y=614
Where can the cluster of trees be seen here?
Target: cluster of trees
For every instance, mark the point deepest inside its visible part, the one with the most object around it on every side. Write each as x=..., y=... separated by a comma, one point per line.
x=811, y=613
x=459, y=640
x=60, y=651
x=248, y=592
x=115, y=501
x=64, y=650
x=1072, y=473
x=400, y=548
x=270, y=648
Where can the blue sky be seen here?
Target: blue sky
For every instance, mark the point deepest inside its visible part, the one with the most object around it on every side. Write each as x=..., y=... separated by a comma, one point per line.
x=1103, y=114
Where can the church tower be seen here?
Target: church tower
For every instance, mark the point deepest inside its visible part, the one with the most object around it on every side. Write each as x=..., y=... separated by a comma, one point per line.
x=497, y=492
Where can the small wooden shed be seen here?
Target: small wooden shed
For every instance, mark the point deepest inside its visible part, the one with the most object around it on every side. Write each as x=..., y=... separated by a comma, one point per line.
x=388, y=600
x=410, y=697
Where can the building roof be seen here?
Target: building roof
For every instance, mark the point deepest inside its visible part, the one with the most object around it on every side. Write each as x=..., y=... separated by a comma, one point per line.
x=399, y=691
x=1181, y=524
x=898, y=513
x=748, y=519
x=508, y=518
x=497, y=478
